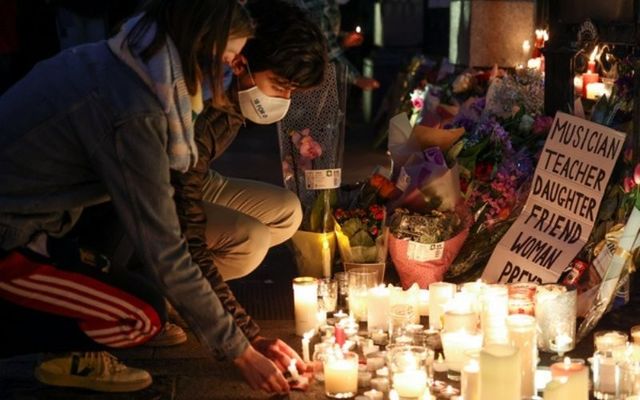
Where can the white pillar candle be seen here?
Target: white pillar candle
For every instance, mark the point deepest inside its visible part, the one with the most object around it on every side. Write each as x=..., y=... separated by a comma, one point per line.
x=410, y=384
x=326, y=257
x=439, y=294
x=341, y=375
x=577, y=385
x=499, y=372
x=470, y=380
x=495, y=308
x=424, y=302
x=522, y=335
x=305, y=299
x=306, y=339
x=378, y=308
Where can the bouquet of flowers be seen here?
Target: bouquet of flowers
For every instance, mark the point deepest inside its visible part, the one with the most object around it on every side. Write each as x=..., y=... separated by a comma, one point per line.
x=311, y=138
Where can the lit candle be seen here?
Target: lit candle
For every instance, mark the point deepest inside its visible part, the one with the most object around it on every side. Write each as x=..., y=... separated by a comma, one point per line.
x=440, y=293
x=608, y=340
x=305, y=298
x=595, y=90
x=410, y=384
x=341, y=375
x=424, y=302
x=378, y=308
x=306, y=338
x=470, y=380
x=375, y=361
x=326, y=257
x=577, y=84
x=439, y=365
x=499, y=372
x=591, y=65
x=495, y=308
x=526, y=48
x=588, y=78
x=358, y=29
x=556, y=309
x=364, y=379
x=379, y=337
x=577, y=385
x=522, y=335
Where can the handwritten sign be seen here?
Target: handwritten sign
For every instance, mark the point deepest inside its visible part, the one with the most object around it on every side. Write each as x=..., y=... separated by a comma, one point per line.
x=567, y=188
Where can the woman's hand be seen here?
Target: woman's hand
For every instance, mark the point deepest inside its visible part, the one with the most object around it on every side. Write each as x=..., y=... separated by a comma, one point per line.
x=279, y=352
x=260, y=372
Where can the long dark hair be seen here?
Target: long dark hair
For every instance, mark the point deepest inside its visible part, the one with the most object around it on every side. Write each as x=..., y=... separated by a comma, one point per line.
x=200, y=30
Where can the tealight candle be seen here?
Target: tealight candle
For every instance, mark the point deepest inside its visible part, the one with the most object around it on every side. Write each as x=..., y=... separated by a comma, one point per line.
x=380, y=383
x=305, y=298
x=364, y=379
x=375, y=361
x=293, y=370
x=379, y=337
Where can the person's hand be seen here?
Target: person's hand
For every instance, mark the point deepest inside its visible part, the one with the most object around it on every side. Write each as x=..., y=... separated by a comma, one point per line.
x=260, y=372
x=367, y=83
x=352, y=39
x=279, y=352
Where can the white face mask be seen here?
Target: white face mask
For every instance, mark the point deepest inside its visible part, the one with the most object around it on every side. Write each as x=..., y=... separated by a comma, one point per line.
x=260, y=108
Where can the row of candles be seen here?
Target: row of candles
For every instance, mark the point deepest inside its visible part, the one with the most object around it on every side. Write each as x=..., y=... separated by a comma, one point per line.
x=498, y=327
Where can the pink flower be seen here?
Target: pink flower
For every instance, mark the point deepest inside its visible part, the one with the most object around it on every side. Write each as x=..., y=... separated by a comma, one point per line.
x=309, y=148
x=628, y=184
x=541, y=125
x=636, y=174
x=628, y=155
x=417, y=99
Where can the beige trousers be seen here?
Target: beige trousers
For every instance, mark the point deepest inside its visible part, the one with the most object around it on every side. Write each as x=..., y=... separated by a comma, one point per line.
x=244, y=219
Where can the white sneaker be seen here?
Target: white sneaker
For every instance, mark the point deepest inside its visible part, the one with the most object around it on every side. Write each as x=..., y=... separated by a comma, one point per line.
x=99, y=371
x=170, y=335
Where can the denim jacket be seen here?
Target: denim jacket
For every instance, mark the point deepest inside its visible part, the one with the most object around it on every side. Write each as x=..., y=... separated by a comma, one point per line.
x=80, y=129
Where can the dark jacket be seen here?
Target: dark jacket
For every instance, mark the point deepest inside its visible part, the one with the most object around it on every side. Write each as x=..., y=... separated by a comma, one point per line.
x=214, y=131
x=81, y=129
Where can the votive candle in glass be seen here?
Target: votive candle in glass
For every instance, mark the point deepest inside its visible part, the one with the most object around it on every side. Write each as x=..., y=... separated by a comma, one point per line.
x=454, y=345
x=608, y=340
x=341, y=375
x=522, y=298
x=522, y=334
x=440, y=293
x=556, y=309
x=305, y=299
x=470, y=376
x=360, y=279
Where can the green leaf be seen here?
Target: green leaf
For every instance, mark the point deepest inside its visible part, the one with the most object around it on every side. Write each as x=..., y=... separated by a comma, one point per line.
x=361, y=238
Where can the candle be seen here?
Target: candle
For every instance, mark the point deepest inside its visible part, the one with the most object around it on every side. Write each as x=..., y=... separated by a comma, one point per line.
x=522, y=335
x=410, y=384
x=608, y=340
x=374, y=394
x=595, y=90
x=439, y=294
x=591, y=65
x=364, y=379
x=557, y=389
x=305, y=298
x=423, y=304
x=439, y=365
x=293, y=370
x=470, y=380
x=358, y=29
x=449, y=391
x=577, y=374
x=378, y=308
x=606, y=372
x=375, y=361
x=379, y=337
x=326, y=257
x=306, y=338
x=454, y=345
x=495, y=308
x=587, y=79
x=341, y=375
x=499, y=372
x=522, y=297
x=556, y=308
x=526, y=48
x=577, y=84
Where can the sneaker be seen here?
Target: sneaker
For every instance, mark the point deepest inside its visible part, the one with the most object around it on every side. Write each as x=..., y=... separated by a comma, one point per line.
x=170, y=335
x=99, y=371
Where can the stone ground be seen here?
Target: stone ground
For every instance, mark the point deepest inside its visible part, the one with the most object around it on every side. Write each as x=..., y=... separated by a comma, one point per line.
x=186, y=372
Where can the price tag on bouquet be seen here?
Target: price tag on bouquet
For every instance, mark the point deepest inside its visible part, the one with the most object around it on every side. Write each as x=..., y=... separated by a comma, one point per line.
x=425, y=252
x=318, y=179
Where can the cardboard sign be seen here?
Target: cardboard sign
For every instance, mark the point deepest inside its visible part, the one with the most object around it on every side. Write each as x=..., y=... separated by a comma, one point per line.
x=567, y=188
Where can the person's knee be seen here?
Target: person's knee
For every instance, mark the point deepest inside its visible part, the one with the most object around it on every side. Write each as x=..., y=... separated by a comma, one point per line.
x=293, y=212
x=258, y=242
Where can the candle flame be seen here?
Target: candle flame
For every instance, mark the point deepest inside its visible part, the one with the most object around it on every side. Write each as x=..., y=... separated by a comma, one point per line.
x=545, y=35
x=358, y=29
x=593, y=55
x=526, y=46
x=567, y=362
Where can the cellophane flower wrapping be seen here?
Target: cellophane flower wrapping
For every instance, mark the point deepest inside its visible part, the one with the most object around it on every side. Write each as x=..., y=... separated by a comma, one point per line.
x=311, y=138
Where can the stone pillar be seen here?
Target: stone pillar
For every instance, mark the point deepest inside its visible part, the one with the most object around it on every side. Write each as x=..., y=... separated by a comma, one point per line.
x=488, y=32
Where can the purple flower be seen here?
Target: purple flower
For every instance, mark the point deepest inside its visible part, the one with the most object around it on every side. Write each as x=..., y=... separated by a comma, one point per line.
x=541, y=125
